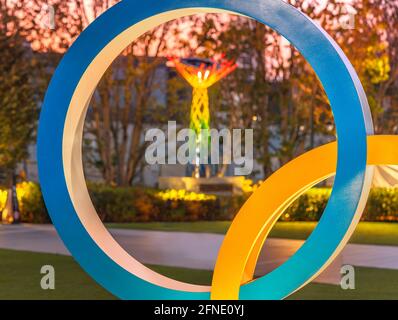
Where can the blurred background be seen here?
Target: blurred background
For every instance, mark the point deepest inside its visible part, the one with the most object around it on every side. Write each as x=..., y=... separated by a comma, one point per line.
x=163, y=214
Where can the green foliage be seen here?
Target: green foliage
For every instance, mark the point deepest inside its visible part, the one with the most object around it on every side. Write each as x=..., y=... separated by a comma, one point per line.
x=18, y=100
x=376, y=64
x=382, y=205
x=133, y=204
x=31, y=203
x=115, y=204
x=309, y=206
x=30, y=200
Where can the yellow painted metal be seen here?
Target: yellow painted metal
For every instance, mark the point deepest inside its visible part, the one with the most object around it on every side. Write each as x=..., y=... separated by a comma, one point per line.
x=240, y=250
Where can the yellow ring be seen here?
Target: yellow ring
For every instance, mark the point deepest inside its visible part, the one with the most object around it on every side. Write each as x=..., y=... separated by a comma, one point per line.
x=240, y=249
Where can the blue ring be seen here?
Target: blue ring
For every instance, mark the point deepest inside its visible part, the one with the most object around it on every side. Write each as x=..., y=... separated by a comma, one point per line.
x=350, y=110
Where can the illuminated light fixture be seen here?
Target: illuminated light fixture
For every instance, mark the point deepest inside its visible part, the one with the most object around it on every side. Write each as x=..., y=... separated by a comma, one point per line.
x=201, y=74
x=10, y=213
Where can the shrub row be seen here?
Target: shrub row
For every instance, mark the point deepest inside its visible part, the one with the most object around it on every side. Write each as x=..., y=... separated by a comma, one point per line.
x=31, y=204
x=382, y=205
x=143, y=204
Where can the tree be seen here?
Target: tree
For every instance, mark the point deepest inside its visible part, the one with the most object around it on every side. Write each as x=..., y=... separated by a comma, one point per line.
x=372, y=47
x=18, y=96
x=18, y=104
x=125, y=101
x=124, y=98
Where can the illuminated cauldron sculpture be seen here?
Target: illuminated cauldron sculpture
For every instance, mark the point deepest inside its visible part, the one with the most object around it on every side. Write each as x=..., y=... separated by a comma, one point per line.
x=201, y=74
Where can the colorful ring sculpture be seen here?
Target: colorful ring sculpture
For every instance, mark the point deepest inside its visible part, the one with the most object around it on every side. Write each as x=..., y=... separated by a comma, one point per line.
x=248, y=231
x=73, y=214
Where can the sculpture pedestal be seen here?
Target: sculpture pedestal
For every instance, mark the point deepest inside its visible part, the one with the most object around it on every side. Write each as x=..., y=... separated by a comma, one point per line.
x=213, y=185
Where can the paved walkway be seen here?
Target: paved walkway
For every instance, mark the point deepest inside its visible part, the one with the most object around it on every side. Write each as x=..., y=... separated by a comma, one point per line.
x=195, y=250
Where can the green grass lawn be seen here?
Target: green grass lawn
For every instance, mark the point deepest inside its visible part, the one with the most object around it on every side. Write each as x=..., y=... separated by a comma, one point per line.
x=20, y=279
x=382, y=233
x=370, y=283
x=200, y=226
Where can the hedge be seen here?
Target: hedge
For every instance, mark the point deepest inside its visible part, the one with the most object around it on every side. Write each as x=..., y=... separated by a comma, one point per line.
x=116, y=204
x=382, y=205
x=143, y=204
x=31, y=204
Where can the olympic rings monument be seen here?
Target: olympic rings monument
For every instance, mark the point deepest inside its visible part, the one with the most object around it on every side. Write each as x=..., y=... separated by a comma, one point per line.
x=350, y=158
